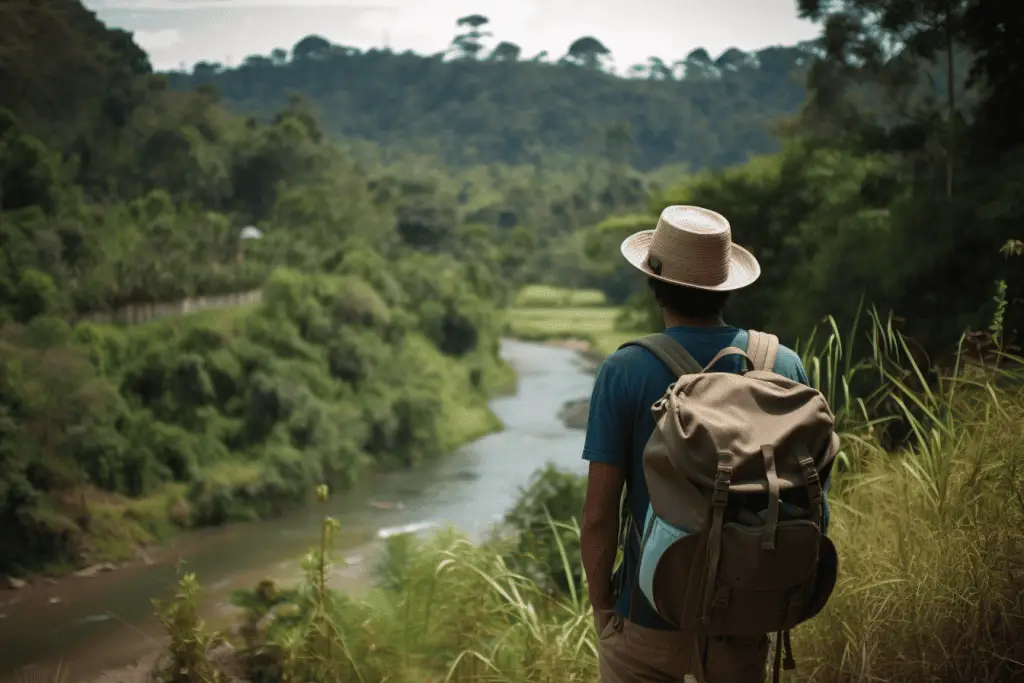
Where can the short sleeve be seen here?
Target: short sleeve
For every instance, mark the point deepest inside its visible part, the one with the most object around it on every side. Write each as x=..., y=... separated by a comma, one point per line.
x=610, y=420
x=788, y=364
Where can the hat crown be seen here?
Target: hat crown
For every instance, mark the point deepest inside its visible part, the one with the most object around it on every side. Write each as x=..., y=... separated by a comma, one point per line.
x=691, y=244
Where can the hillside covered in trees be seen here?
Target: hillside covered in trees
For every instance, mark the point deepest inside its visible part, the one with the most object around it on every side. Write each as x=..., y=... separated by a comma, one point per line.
x=376, y=327
x=484, y=102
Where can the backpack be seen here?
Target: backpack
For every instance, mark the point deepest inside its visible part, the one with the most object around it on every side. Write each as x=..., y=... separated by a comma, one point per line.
x=732, y=544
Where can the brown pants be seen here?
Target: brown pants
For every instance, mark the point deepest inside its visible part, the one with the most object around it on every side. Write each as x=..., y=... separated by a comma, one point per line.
x=630, y=653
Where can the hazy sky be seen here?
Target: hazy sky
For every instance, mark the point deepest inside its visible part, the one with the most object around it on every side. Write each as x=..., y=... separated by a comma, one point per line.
x=176, y=32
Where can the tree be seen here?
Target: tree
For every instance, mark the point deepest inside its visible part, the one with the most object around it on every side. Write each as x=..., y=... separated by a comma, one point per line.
x=699, y=66
x=588, y=52
x=619, y=143
x=733, y=59
x=311, y=47
x=657, y=70
x=506, y=52
x=877, y=77
x=470, y=44
x=205, y=70
x=279, y=56
x=995, y=35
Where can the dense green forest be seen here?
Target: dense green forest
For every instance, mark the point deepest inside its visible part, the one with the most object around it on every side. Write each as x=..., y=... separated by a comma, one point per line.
x=897, y=185
x=478, y=103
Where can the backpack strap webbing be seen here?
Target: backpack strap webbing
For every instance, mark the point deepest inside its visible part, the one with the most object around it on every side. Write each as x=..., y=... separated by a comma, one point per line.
x=762, y=349
x=670, y=352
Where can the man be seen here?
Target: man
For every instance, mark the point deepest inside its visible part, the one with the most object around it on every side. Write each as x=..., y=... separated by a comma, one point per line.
x=692, y=267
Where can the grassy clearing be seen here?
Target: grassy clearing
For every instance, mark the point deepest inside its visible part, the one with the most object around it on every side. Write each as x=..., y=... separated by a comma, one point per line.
x=931, y=541
x=598, y=326
x=546, y=296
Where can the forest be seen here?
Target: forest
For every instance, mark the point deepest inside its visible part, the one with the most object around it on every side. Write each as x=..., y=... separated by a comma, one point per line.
x=482, y=102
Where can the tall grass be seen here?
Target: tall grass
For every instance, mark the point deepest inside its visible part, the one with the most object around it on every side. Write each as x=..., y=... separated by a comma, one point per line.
x=930, y=539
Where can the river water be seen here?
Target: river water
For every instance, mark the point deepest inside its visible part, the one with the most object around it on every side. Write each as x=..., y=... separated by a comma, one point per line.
x=87, y=625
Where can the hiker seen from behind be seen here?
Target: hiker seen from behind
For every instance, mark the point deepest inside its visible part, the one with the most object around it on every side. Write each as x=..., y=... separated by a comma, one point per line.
x=725, y=475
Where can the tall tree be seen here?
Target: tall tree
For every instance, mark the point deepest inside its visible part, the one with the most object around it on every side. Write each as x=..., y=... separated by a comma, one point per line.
x=311, y=47
x=588, y=52
x=506, y=52
x=879, y=69
x=994, y=31
x=699, y=66
x=470, y=43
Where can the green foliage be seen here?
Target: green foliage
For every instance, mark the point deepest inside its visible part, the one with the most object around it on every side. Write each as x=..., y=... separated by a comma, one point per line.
x=547, y=552
x=321, y=382
x=188, y=660
x=501, y=110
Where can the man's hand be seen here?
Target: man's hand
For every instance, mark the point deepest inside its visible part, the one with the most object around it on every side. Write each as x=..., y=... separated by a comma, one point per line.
x=599, y=536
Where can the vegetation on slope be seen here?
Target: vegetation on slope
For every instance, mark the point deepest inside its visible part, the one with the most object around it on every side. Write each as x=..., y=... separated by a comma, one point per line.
x=476, y=105
x=375, y=343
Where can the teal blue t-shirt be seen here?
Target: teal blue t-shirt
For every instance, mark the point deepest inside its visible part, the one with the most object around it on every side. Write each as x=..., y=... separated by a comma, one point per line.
x=620, y=423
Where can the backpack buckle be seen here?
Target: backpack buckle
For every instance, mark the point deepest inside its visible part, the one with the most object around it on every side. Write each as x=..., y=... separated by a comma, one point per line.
x=722, y=481
x=812, y=480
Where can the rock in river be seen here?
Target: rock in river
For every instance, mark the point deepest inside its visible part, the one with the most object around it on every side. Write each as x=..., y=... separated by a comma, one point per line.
x=574, y=414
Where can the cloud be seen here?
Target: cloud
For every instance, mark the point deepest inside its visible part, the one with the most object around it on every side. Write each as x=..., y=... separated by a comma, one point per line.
x=233, y=4
x=152, y=41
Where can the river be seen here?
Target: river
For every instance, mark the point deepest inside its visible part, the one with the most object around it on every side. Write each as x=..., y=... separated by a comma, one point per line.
x=88, y=625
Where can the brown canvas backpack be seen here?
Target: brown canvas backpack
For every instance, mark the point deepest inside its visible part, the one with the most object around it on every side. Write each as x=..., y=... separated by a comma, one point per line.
x=732, y=544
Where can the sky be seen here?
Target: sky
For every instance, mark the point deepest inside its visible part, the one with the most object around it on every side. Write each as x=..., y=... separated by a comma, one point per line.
x=179, y=33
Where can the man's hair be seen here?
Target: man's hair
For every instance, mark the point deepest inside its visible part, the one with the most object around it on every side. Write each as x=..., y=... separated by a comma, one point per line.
x=688, y=302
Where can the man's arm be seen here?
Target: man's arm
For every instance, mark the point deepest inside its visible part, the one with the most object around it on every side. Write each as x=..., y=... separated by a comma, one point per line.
x=599, y=535
x=607, y=448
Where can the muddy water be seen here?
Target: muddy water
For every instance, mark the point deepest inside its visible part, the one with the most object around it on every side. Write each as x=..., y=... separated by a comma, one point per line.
x=88, y=625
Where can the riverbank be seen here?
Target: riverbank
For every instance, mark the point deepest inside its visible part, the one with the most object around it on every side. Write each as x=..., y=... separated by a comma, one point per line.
x=132, y=532
x=219, y=417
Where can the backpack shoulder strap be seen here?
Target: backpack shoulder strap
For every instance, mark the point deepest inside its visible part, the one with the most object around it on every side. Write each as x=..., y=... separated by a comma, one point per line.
x=670, y=352
x=762, y=349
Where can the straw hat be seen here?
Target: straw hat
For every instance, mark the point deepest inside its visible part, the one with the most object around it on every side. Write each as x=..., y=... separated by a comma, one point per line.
x=692, y=246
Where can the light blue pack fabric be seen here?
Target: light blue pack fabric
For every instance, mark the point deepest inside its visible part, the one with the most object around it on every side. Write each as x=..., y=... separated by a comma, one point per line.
x=658, y=536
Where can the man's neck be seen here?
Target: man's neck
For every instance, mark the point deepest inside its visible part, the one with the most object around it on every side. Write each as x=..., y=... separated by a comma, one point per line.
x=674, y=320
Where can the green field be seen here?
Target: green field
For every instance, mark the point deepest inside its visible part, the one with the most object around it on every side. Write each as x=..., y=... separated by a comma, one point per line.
x=546, y=296
x=595, y=325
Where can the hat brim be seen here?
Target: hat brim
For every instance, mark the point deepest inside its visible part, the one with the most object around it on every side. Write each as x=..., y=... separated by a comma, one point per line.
x=743, y=267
